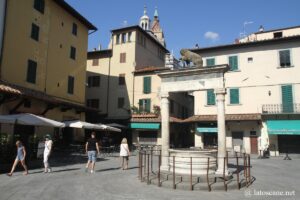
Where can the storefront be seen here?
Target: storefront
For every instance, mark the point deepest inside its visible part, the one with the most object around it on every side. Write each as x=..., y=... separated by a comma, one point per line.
x=210, y=136
x=288, y=134
x=145, y=133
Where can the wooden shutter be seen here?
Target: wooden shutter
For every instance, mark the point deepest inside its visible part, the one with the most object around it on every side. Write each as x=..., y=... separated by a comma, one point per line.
x=73, y=53
x=287, y=98
x=70, y=84
x=211, y=100
x=210, y=62
x=147, y=85
x=39, y=5
x=234, y=96
x=148, y=105
x=284, y=57
x=141, y=105
x=233, y=62
x=122, y=57
x=31, y=71
x=35, y=32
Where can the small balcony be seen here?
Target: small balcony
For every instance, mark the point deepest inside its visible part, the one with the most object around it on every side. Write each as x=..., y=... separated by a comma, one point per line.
x=281, y=109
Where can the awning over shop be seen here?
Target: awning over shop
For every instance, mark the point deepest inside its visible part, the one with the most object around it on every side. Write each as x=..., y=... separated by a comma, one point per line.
x=283, y=127
x=207, y=130
x=152, y=126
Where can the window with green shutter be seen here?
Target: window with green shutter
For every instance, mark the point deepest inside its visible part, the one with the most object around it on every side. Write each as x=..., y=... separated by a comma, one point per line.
x=233, y=63
x=31, y=71
x=285, y=58
x=147, y=85
x=145, y=105
x=210, y=62
x=211, y=98
x=287, y=98
x=234, y=96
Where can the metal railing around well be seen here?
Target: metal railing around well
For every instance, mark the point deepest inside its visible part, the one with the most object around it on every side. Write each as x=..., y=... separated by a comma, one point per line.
x=149, y=162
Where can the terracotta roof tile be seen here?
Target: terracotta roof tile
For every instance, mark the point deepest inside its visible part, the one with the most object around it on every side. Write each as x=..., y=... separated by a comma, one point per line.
x=151, y=118
x=150, y=69
x=228, y=117
x=26, y=92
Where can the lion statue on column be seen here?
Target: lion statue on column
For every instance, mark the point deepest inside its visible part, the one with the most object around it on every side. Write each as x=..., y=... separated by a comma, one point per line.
x=187, y=56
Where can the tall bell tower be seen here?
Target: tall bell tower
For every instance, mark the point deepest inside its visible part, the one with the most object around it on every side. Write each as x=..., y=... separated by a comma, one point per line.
x=145, y=20
x=156, y=28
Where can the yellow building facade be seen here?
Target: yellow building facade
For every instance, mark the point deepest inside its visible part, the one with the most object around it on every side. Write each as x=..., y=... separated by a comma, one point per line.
x=43, y=62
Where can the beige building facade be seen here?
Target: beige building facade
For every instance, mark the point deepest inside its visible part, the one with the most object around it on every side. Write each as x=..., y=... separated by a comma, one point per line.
x=262, y=90
x=135, y=52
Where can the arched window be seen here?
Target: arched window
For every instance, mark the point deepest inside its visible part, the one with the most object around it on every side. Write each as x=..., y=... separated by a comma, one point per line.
x=143, y=25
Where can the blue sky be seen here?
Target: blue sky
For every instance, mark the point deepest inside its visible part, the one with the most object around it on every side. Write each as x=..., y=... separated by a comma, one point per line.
x=188, y=22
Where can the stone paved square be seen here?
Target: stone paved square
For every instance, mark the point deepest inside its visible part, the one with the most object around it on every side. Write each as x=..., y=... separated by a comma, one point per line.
x=110, y=182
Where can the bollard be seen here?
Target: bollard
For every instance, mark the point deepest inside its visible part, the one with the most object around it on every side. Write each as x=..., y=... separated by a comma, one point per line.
x=174, y=172
x=245, y=166
x=249, y=168
x=238, y=173
x=159, y=163
x=151, y=161
x=225, y=186
x=191, y=175
x=148, y=178
x=141, y=167
x=207, y=178
x=145, y=162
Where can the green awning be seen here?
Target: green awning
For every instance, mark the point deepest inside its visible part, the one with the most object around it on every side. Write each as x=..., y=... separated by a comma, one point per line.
x=154, y=126
x=207, y=130
x=283, y=127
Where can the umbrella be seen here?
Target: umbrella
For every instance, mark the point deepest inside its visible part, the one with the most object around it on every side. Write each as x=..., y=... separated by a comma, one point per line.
x=29, y=119
x=82, y=124
x=116, y=125
x=109, y=128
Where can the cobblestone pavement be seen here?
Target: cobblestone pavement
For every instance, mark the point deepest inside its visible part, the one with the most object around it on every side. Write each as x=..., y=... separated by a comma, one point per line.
x=70, y=182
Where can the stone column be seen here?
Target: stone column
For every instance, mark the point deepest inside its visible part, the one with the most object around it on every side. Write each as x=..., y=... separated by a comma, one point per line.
x=220, y=97
x=165, y=131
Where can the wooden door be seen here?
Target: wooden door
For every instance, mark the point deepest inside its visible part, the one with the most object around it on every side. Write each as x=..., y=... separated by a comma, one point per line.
x=253, y=141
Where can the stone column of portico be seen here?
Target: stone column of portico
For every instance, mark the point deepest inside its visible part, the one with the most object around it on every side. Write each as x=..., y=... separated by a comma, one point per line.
x=165, y=131
x=220, y=98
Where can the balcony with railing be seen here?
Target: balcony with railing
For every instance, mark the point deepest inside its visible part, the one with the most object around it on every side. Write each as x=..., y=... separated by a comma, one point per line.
x=281, y=109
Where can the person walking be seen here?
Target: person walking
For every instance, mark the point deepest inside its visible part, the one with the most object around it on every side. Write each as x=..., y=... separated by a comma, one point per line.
x=90, y=147
x=47, y=152
x=124, y=153
x=21, y=155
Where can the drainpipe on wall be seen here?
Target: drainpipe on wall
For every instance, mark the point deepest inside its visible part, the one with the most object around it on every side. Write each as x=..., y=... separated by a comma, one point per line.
x=4, y=28
x=108, y=78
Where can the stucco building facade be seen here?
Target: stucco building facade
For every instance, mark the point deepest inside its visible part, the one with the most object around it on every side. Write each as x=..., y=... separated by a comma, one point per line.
x=262, y=93
x=43, y=66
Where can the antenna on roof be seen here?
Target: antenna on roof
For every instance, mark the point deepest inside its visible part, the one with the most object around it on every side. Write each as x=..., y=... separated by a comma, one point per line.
x=125, y=23
x=244, y=27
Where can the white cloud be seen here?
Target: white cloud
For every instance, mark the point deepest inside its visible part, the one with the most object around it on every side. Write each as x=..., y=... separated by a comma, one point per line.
x=212, y=36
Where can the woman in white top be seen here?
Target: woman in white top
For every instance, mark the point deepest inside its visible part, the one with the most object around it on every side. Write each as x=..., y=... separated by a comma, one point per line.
x=47, y=152
x=124, y=153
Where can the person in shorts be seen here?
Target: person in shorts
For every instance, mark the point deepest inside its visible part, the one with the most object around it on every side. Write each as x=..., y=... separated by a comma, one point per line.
x=124, y=153
x=21, y=155
x=91, y=148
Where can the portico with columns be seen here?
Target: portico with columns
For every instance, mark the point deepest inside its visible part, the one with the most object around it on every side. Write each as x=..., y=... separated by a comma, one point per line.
x=190, y=80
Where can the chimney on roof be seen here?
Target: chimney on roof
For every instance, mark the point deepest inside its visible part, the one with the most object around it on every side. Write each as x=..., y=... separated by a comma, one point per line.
x=99, y=47
x=95, y=49
x=236, y=41
x=261, y=28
